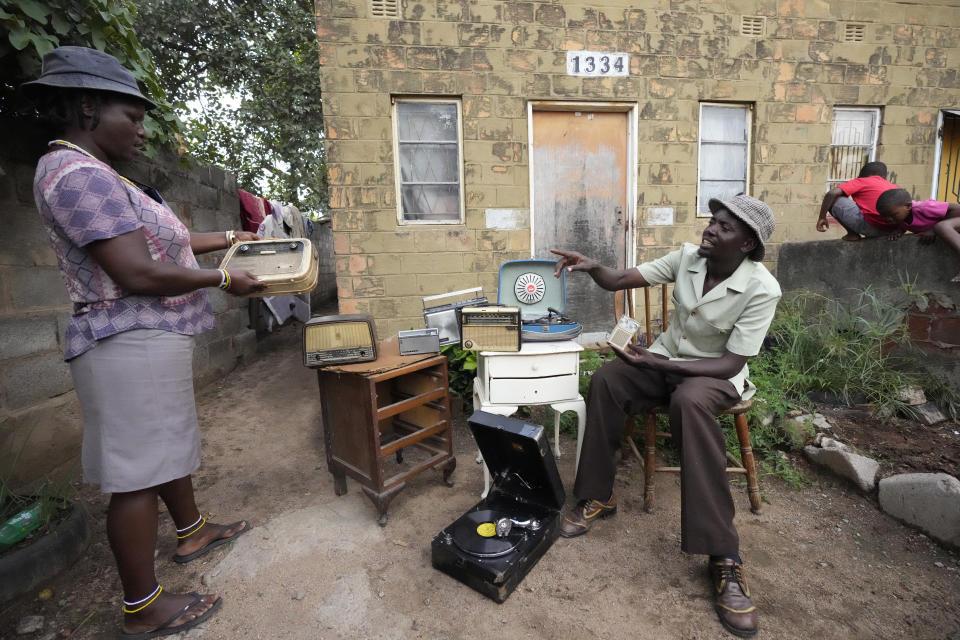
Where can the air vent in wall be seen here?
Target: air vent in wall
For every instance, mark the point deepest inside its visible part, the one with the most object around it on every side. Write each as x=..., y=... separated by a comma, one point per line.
x=385, y=8
x=854, y=32
x=751, y=26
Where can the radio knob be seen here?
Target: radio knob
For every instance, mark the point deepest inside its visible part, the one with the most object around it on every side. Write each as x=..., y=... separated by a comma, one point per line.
x=294, y=246
x=244, y=248
x=468, y=344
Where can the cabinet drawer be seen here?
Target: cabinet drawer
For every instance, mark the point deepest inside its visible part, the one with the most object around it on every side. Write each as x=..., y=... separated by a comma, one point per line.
x=532, y=366
x=533, y=390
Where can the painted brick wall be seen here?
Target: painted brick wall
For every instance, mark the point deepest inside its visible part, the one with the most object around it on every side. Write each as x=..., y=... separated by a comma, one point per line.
x=498, y=55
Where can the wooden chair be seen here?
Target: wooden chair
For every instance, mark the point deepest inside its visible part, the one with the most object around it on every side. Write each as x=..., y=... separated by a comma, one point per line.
x=623, y=304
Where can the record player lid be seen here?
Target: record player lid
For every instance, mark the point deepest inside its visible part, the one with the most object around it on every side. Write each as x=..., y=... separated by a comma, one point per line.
x=519, y=458
x=530, y=285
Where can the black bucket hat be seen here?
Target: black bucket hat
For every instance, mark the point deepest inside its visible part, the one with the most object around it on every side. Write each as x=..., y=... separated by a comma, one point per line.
x=84, y=68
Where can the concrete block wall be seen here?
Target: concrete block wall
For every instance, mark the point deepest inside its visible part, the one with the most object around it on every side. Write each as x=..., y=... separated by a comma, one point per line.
x=39, y=415
x=496, y=56
x=892, y=270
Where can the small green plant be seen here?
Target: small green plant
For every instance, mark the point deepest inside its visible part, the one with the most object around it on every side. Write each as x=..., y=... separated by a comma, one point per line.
x=461, y=370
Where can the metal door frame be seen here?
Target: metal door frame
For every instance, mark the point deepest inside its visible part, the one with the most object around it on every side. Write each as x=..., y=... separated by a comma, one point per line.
x=938, y=151
x=630, y=108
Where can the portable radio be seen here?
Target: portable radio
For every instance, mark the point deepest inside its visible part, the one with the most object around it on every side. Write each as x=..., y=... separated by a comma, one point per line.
x=623, y=333
x=442, y=312
x=340, y=339
x=285, y=266
x=490, y=328
x=418, y=341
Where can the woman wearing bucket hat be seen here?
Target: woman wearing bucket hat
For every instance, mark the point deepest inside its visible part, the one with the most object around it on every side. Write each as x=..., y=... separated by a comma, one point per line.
x=724, y=301
x=139, y=298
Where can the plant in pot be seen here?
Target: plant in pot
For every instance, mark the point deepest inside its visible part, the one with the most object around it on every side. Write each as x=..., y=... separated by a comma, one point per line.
x=461, y=370
x=43, y=530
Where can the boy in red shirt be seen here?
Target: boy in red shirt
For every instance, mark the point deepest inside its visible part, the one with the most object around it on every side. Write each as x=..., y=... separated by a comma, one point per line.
x=927, y=219
x=854, y=204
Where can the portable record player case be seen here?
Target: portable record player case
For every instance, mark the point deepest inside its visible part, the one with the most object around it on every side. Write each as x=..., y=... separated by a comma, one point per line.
x=542, y=298
x=526, y=490
x=285, y=265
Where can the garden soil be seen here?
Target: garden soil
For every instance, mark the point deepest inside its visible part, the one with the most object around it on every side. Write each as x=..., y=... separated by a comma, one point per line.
x=823, y=562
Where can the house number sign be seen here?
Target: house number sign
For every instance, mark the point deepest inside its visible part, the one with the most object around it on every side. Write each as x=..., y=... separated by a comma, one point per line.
x=597, y=64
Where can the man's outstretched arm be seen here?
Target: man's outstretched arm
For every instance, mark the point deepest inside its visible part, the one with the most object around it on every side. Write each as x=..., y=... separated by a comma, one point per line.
x=607, y=278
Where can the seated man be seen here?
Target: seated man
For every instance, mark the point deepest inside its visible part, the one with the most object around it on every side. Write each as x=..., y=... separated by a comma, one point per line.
x=854, y=204
x=724, y=302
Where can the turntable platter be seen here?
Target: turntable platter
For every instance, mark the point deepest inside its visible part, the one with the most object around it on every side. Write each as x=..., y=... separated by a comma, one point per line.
x=476, y=533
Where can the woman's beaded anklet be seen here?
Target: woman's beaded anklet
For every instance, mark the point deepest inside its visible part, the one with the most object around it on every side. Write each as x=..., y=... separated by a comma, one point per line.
x=196, y=526
x=143, y=603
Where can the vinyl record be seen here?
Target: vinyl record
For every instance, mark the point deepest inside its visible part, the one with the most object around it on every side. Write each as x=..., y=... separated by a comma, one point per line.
x=475, y=533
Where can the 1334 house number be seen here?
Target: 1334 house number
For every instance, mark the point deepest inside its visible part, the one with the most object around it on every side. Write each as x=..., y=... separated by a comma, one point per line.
x=597, y=63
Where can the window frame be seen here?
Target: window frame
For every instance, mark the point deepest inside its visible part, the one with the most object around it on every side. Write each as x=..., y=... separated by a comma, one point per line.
x=875, y=140
x=748, y=109
x=398, y=179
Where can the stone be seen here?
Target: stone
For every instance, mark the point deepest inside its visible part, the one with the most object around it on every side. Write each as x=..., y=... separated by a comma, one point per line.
x=837, y=457
x=29, y=624
x=911, y=395
x=927, y=501
x=929, y=413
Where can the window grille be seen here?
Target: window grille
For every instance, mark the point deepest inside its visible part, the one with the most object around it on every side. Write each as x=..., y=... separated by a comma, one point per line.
x=428, y=159
x=853, y=144
x=751, y=26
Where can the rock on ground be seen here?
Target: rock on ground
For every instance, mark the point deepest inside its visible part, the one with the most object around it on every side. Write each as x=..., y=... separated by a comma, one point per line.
x=928, y=501
x=837, y=457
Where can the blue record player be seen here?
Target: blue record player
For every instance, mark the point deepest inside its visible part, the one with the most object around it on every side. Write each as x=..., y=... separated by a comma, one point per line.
x=542, y=298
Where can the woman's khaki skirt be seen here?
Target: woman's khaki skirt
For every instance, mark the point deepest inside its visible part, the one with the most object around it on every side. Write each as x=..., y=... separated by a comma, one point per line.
x=139, y=413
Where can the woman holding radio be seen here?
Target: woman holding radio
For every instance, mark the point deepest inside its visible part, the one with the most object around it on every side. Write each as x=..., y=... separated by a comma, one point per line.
x=139, y=298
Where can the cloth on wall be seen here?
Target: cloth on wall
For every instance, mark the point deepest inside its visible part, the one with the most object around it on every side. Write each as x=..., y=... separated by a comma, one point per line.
x=253, y=209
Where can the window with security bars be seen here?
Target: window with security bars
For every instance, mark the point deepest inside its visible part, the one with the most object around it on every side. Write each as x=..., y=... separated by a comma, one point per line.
x=723, y=165
x=854, y=142
x=428, y=161
x=385, y=8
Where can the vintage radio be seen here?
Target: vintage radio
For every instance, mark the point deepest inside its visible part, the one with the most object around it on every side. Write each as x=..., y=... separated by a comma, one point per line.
x=285, y=266
x=490, y=328
x=418, y=341
x=623, y=333
x=340, y=339
x=442, y=312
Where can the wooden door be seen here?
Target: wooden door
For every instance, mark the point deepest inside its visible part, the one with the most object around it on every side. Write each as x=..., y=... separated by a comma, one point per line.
x=948, y=179
x=580, y=184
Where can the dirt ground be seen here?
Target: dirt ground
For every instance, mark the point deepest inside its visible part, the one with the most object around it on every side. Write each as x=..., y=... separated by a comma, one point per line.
x=823, y=562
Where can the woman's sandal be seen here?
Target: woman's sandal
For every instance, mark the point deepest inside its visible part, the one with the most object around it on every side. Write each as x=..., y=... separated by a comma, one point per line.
x=213, y=544
x=165, y=629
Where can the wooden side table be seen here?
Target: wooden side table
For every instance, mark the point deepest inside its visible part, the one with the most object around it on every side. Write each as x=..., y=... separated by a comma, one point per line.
x=375, y=410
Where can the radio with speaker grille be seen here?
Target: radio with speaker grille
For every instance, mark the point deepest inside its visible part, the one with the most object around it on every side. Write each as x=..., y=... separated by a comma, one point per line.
x=342, y=339
x=490, y=328
x=285, y=266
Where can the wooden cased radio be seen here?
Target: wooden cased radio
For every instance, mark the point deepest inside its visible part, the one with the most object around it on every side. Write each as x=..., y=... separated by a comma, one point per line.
x=490, y=328
x=342, y=339
x=289, y=266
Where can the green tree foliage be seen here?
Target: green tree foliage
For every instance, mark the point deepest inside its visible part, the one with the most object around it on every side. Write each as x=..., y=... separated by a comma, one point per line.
x=252, y=69
x=34, y=27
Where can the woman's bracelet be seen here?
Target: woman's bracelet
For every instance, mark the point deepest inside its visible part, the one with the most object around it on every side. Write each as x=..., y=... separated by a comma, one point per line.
x=231, y=237
x=224, y=279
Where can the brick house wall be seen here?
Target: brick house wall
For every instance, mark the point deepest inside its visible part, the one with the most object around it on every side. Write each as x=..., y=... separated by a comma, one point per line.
x=496, y=56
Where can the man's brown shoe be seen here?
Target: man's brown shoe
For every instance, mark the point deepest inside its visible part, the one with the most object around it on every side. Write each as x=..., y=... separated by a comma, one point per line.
x=732, y=598
x=580, y=518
